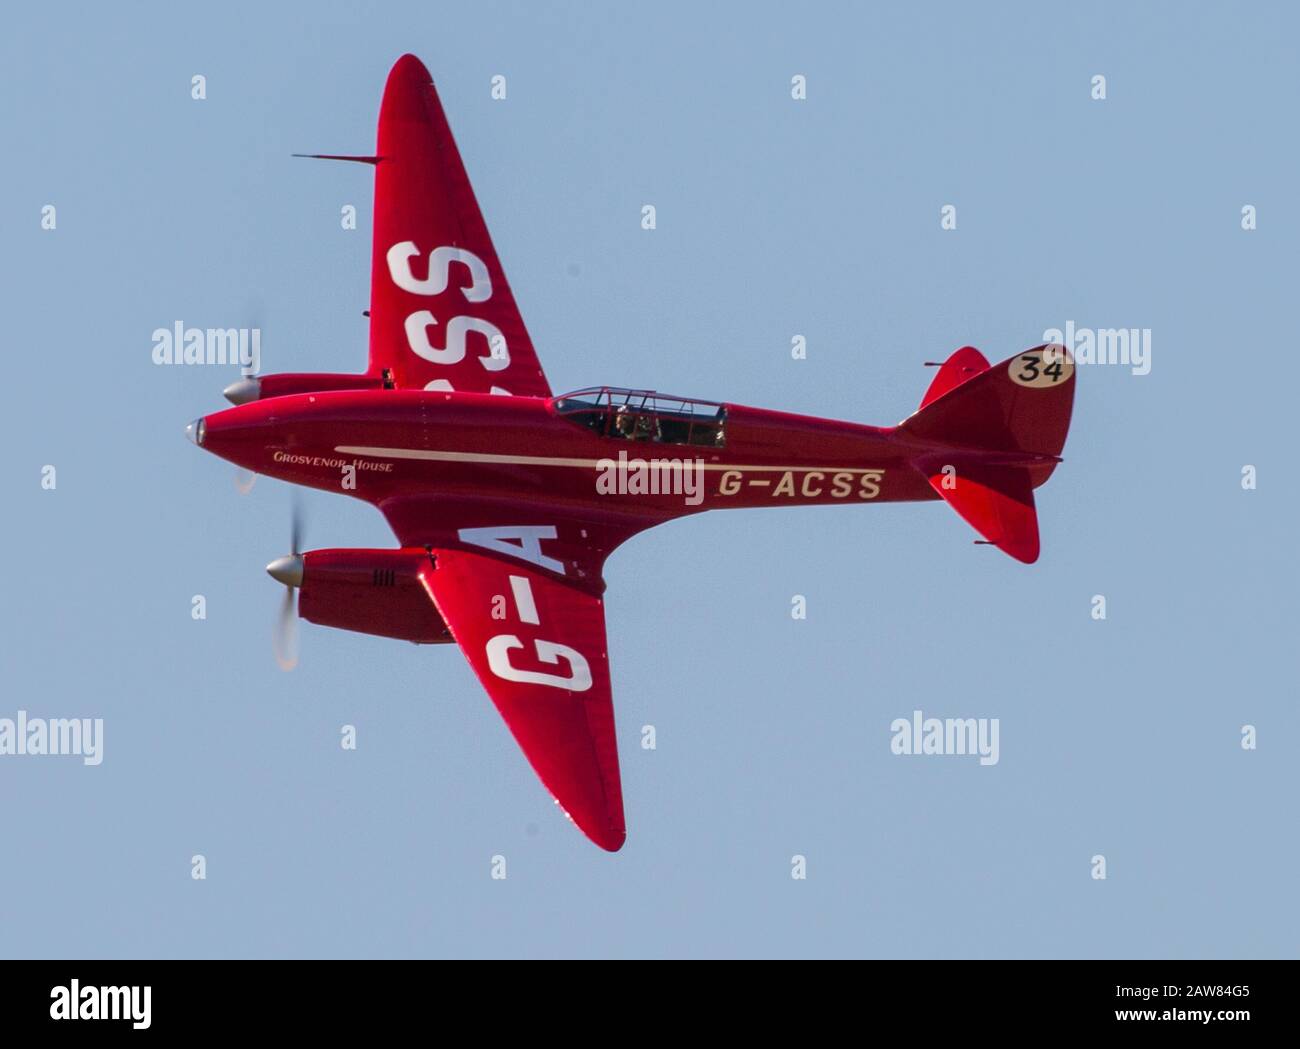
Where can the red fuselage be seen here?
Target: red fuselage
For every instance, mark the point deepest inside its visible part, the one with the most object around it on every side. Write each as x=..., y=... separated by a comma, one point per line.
x=377, y=444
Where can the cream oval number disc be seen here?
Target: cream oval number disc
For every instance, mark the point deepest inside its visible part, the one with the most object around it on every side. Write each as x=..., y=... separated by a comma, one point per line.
x=1042, y=368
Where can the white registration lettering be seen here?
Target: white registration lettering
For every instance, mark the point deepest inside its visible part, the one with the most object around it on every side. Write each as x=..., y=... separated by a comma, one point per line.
x=498, y=654
x=399, y=268
x=521, y=541
x=417, y=337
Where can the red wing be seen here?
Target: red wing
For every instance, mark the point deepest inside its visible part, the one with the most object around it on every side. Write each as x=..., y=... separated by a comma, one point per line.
x=538, y=646
x=441, y=313
x=571, y=545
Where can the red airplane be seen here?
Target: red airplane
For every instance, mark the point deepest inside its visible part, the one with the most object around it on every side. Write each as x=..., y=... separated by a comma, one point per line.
x=506, y=500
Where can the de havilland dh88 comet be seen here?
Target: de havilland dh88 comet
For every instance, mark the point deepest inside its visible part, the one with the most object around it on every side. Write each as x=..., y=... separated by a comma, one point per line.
x=506, y=500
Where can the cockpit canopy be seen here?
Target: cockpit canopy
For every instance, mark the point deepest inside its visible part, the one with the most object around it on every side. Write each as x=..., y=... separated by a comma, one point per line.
x=643, y=415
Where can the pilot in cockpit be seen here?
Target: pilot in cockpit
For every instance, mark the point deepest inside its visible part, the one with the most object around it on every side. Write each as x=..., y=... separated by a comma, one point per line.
x=635, y=427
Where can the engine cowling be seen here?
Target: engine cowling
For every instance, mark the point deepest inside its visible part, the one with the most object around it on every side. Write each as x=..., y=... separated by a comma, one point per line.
x=379, y=592
x=263, y=387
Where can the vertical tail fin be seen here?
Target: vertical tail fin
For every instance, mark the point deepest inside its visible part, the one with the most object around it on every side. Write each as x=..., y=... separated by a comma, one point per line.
x=991, y=439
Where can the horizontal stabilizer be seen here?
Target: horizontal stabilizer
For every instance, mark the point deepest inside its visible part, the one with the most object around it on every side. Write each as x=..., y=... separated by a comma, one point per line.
x=1022, y=404
x=997, y=501
x=964, y=364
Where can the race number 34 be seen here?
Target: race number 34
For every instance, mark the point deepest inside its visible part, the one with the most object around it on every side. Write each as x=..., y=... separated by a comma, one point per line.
x=1042, y=368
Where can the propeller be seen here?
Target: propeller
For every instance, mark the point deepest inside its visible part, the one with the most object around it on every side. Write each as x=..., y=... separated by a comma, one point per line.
x=288, y=570
x=247, y=387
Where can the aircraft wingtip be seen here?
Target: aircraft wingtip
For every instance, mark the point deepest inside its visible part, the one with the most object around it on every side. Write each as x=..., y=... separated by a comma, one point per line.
x=409, y=65
x=613, y=842
x=611, y=838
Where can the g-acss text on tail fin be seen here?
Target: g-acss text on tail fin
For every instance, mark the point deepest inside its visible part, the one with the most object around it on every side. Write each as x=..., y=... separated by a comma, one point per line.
x=988, y=436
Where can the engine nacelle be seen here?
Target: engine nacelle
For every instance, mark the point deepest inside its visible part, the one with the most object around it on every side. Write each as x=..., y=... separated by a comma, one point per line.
x=263, y=387
x=371, y=592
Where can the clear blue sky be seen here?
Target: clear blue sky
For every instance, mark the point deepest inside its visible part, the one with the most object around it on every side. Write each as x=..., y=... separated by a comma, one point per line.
x=775, y=218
